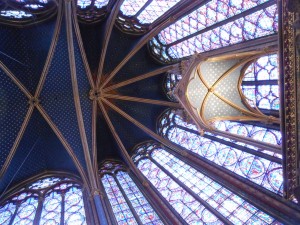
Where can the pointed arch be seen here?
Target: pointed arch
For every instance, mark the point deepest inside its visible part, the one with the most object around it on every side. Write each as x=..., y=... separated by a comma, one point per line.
x=258, y=84
x=195, y=196
x=51, y=198
x=128, y=204
x=245, y=161
x=214, y=25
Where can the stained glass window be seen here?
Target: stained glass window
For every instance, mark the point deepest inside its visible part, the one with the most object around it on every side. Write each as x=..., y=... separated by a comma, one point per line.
x=246, y=130
x=137, y=14
x=170, y=83
x=186, y=188
x=91, y=11
x=260, y=83
x=260, y=169
x=15, y=14
x=62, y=200
x=26, y=11
x=217, y=24
x=124, y=197
x=92, y=3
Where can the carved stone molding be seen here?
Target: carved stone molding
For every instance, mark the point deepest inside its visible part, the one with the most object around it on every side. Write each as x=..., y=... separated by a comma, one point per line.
x=290, y=64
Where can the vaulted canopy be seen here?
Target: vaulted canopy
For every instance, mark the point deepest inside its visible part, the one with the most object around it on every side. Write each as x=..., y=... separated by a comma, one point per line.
x=148, y=112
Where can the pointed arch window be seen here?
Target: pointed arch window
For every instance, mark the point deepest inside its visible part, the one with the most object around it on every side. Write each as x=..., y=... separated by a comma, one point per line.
x=25, y=12
x=92, y=11
x=136, y=15
x=128, y=203
x=257, y=166
x=92, y=3
x=258, y=133
x=214, y=25
x=195, y=196
x=259, y=84
x=171, y=80
x=56, y=200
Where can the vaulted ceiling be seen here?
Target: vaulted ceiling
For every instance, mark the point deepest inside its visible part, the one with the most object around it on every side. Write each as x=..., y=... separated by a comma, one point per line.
x=64, y=92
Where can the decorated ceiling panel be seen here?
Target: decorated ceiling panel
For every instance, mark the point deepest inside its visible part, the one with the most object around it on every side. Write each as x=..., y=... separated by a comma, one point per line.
x=57, y=93
x=38, y=150
x=142, y=112
x=139, y=64
x=24, y=51
x=147, y=88
x=84, y=80
x=13, y=110
x=129, y=134
x=119, y=45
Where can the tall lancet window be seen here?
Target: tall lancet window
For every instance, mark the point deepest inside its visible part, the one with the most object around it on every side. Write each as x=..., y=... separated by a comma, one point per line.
x=262, y=168
x=214, y=25
x=196, y=197
x=259, y=84
x=127, y=202
x=136, y=15
x=51, y=200
x=258, y=133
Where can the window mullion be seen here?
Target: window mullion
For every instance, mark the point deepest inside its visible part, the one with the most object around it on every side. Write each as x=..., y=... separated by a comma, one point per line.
x=14, y=215
x=142, y=9
x=62, y=216
x=128, y=202
x=218, y=24
x=155, y=205
x=112, y=218
x=39, y=210
x=244, y=149
x=164, y=201
x=204, y=203
x=260, y=82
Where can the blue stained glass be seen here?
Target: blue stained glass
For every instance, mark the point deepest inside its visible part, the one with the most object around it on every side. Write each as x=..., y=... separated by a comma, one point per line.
x=254, y=168
x=255, y=132
x=74, y=207
x=186, y=205
x=46, y=182
x=88, y=3
x=6, y=213
x=170, y=84
x=101, y=3
x=261, y=23
x=51, y=209
x=212, y=12
x=212, y=192
x=263, y=94
x=84, y=3
x=26, y=212
x=131, y=7
x=16, y=14
x=48, y=193
x=138, y=201
x=117, y=201
x=152, y=11
x=155, y=9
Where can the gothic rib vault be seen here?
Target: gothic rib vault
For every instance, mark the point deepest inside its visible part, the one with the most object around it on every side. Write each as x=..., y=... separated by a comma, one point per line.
x=73, y=95
x=54, y=102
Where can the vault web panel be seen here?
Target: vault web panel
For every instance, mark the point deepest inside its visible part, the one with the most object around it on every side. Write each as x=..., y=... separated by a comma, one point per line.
x=57, y=96
x=84, y=87
x=13, y=109
x=25, y=56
